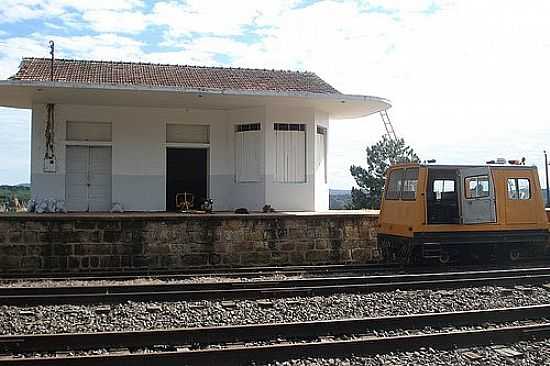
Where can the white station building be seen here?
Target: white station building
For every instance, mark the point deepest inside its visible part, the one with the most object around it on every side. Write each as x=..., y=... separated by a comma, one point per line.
x=138, y=134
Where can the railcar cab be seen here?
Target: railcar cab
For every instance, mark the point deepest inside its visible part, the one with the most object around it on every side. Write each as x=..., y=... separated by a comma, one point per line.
x=445, y=212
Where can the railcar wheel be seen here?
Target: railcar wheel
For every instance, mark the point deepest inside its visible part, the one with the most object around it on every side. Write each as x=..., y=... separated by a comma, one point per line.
x=444, y=258
x=514, y=254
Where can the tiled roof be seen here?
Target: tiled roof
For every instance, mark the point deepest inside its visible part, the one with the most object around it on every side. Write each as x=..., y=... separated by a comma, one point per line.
x=178, y=76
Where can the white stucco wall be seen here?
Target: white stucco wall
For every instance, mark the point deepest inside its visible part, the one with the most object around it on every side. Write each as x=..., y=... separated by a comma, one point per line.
x=139, y=156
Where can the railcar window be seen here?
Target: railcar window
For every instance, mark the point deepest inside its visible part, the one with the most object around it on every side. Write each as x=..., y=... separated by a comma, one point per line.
x=394, y=184
x=410, y=184
x=443, y=186
x=476, y=187
x=519, y=189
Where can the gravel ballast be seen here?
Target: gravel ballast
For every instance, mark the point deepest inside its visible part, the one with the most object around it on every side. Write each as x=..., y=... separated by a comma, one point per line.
x=530, y=353
x=163, y=315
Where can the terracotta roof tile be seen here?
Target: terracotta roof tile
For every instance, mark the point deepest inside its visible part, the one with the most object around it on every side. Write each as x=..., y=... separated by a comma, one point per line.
x=179, y=76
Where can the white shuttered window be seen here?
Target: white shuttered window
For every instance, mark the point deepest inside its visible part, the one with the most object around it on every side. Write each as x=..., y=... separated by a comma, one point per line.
x=248, y=153
x=290, y=152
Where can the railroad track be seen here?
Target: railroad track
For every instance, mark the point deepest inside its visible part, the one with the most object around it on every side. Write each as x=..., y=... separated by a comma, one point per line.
x=268, y=288
x=237, y=345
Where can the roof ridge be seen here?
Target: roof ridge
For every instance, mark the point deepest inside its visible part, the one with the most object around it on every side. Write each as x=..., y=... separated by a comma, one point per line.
x=167, y=64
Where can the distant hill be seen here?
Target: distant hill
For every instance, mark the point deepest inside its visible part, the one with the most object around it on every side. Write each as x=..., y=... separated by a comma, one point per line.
x=339, y=198
x=22, y=192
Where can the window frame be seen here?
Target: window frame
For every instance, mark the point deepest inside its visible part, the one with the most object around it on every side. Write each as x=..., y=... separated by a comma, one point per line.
x=240, y=130
x=467, y=188
x=443, y=180
x=387, y=191
x=297, y=127
x=516, y=180
x=404, y=183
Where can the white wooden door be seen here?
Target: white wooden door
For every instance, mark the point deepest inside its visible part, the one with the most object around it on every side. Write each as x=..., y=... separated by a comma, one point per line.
x=88, y=178
x=99, y=191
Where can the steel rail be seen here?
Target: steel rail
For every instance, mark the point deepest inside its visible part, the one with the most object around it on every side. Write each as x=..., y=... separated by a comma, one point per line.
x=244, y=272
x=251, y=272
x=238, y=354
x=266, y=289
x=255, y=332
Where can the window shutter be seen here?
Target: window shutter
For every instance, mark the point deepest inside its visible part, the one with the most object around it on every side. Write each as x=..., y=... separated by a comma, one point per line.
x=290, y=151
x=248, y=153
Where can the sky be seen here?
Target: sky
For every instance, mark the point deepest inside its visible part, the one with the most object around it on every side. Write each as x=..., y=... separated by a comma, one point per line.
x=469, y=80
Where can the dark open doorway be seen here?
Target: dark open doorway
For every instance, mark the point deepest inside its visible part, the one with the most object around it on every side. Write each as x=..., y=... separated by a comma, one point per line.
x=186, y=172
x=442, y=196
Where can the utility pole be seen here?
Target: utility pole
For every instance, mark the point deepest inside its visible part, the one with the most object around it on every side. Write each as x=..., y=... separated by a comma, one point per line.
x=547, y=187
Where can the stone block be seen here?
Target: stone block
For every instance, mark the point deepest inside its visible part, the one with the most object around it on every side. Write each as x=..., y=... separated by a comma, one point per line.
x=286, y=246
x=37, y=249
x=94, y=261
x=109, y=225
x=297, y=258
x=194, y=260
x=15, y=237
x=10, y=262
x=139, y=261
x=112, y=236
x=73, y=262
x=31, y=263
x=51, y=263
x=156, y=248
x=129, y=225
x=85, y=262
x=322, y=244
x=305, y=246
x=71, y=237
x=109, y=261
x=13, y=249
x=63, y=249
x=125, y=261
x=92, y=249
x=122, y=249
x=85, y=225
x=33, y=226
x=30, y=237
x=255, y=259
x=318, y=256
x=231, y=259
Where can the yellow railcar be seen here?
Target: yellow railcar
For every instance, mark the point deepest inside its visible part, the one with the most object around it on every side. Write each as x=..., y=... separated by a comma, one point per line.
x=447, y=212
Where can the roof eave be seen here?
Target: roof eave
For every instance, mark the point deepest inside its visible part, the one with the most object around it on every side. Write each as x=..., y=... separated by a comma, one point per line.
x=343, y=99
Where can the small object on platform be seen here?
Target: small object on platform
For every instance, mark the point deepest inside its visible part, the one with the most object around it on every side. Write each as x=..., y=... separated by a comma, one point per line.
x=184, y=201
x=31, y=206
x=51, y=205
x=60, y=207
x=42, y=206
x=268, y=208
x=117, y=207
x=207, y=205
x=242, y=211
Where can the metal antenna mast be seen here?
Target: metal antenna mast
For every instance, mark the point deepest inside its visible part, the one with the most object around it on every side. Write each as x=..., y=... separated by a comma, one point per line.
x=390, y=132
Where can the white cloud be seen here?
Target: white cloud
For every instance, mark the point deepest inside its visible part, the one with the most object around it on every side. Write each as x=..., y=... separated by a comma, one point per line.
x=468, y=79
x=109, y=16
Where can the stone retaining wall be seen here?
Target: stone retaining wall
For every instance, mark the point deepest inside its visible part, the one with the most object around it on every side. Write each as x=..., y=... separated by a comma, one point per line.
x=86, y=243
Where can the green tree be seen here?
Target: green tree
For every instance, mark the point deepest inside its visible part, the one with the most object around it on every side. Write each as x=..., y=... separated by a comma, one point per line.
x=371, y=179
